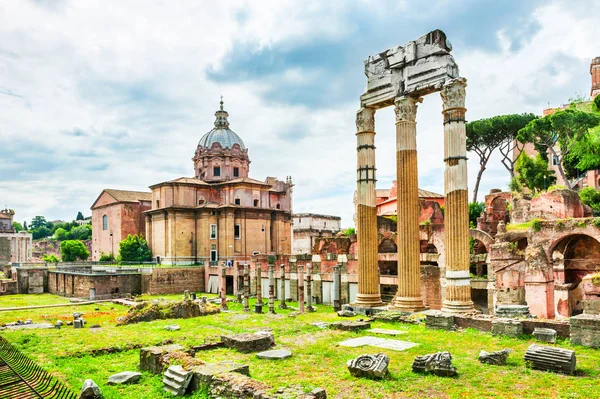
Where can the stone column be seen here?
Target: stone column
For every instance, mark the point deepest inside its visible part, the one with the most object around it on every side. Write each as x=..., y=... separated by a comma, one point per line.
x=258, y=305
x=223, y=288
x=366, y=214
x=293, y=280
x=271, y=289
x=317, y=284
x=301, y=289
x=408, y=298
x=246, y=288
x=456, y=220
x=336, y=289
x=282, y=304
x=309, y=307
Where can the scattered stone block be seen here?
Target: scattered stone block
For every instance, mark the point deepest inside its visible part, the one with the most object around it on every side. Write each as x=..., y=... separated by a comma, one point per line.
x=439, y=364
x=320, y=324
x=126, y=377
x=497, y=358
x=370, y=366
x=176, y=380
x=96, y=326
x=78, y=323
x=351, y=325
x=436, y=320
x=512, y=311
x=204, y=375
x=34, y=326
x=275, y=354
x=585, y=330
x=548, y=358
x=151, y=358
x=172, y=327
x=246, y=343
x=386, y=332
x=361, y=341
x=545, y=335
x=508, y=327
x=395, y=345
x=591, y=306
x=346, y=313
x=90, y=390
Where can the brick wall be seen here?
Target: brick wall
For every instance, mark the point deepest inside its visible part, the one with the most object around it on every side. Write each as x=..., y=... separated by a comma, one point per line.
x=173, y=280
x=106, y=286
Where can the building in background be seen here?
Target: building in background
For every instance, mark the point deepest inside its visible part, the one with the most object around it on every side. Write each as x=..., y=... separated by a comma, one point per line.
x=310, y=227
x=115, y=214
x=14, y=247
x=386, y=200
x=220, y=214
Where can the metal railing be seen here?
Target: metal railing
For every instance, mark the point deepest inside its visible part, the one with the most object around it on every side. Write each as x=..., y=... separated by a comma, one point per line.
x=21, y=378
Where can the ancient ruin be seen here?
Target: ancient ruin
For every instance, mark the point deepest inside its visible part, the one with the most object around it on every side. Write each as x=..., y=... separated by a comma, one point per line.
x=401, y=76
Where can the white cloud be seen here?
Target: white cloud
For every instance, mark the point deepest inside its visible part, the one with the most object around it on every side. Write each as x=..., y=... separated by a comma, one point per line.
x=132, y=77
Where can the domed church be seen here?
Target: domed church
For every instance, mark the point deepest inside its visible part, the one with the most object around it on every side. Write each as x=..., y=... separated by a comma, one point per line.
x=220, y=214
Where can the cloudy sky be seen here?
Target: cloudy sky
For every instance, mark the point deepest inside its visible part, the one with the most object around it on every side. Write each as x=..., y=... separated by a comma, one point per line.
x=101, y=94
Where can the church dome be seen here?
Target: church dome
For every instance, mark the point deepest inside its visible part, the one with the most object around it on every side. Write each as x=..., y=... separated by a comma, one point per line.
x=221, y=133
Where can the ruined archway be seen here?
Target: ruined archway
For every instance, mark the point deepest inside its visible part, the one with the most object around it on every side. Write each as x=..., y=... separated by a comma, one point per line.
x=573, y=257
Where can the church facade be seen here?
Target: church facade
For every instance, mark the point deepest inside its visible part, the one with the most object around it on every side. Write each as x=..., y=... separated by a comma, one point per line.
x=220, y=214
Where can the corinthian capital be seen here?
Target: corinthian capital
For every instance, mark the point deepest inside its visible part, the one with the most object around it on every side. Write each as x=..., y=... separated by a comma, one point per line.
x=453, y=93
x=365, y=120
x=406, y=108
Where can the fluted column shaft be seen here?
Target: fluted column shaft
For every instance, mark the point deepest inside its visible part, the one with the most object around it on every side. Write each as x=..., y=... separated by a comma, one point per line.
x=366, y=222
x=456, y=219
x=408, y=298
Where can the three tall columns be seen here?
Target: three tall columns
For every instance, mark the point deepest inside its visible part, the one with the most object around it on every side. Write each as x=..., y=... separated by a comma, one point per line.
x=456, y=219
x=408, y=298
x=366, y=223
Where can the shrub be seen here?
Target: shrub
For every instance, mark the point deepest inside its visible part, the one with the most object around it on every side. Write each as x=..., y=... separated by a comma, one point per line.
x=271, y=259
x=109, y=257
x=60, y=234
x=71, y=250
x=536, y=225
x=350, y=231
x=50, y=258
x=596, y=222
x=134, y=249
x=582, y=223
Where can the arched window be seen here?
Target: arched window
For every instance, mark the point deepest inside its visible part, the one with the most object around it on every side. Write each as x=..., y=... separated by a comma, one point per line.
x=278, y=206
x=105, y=222
x=238, y=201
x=201, y=201
x=255, y=202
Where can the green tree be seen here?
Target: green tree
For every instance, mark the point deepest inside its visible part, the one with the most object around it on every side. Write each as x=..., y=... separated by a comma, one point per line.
x=596, y=102
x=41, y=232
x=17, y=226
x=485, y=135
x=38, y=222
x=79, y=216
x=71, y=250
x=83, y=232
x=61, y=234
x=591, y=197
x=559, y=132
x=534, y=173
x=25, y=225
x=134, y=248
x=475, y=209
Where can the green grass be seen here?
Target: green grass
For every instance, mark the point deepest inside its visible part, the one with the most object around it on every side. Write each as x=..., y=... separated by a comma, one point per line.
x=13, y=301
x=520, y=226
x=317, y=361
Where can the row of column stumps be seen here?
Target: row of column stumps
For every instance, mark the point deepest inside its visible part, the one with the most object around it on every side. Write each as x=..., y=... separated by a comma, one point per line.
x=456, y=231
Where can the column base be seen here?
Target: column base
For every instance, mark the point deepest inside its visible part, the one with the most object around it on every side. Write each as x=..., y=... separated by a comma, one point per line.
x=407, y=304
x=459, y=307
x=368, y=300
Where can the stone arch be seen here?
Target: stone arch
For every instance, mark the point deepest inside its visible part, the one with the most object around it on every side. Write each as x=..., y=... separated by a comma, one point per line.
x=573, y=256
x=387, y=245
x=482, y=236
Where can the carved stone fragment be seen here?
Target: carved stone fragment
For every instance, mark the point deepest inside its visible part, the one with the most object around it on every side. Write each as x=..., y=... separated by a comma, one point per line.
x=372, y=366
x=439, y=363
x=497, y=358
